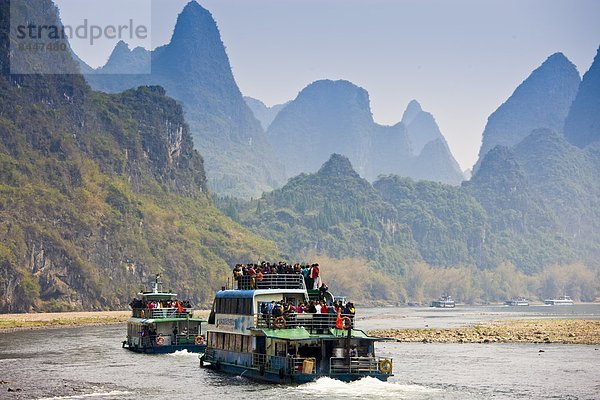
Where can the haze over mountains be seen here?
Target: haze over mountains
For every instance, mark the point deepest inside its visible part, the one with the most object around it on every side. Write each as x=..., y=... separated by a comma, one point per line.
x=265, y=115
x=582, y=126
x=240, y=160
x=99, y=191
x=194, y=69
x=533, y=202
x=543, y=100
x=335, y=117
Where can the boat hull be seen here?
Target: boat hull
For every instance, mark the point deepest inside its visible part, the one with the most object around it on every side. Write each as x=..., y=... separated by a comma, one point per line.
x=558, y=302
x=274, y=377
x=191, y=348
x=442, y=304
x=516, y=303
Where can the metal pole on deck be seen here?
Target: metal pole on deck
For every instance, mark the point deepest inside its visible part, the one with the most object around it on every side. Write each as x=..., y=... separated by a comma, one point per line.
x=348, y=347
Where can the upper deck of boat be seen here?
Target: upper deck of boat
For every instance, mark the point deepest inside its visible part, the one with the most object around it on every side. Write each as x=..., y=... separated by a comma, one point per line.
x=271, y=282
x=157, y=304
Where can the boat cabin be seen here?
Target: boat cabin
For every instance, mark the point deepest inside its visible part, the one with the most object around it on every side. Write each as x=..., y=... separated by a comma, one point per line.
x=160, y=322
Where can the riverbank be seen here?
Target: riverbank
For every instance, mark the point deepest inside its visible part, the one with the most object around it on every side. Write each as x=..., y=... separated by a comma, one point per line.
x=21, y=322
x=565, y=331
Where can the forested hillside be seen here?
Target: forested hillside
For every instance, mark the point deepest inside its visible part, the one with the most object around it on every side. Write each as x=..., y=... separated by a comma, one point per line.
x=99, y=192
x=415, y=231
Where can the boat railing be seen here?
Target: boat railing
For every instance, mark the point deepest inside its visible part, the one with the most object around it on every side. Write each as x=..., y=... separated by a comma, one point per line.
x=312, y=322
x=288, y=365
x=154, y=313
x=271, y=281
x=352, y=365
x=270, y=363
x=303, y=365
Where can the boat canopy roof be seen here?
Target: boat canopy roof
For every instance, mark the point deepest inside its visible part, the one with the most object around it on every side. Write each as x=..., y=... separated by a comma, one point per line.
x=302, y=334
x=248, y=294
x=288, y=334
x=235, y=294
x=163, y=320
x=356, y=333
x=157, y=292
x=158, y=296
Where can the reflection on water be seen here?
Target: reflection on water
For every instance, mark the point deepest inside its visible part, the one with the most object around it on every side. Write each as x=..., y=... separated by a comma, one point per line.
x=82, y=363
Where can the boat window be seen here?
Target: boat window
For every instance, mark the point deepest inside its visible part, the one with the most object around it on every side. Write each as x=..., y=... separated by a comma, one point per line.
x=280, y=349
x=234, y=306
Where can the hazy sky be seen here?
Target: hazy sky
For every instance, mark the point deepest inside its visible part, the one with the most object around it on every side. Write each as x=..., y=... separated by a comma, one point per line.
x=460, y=59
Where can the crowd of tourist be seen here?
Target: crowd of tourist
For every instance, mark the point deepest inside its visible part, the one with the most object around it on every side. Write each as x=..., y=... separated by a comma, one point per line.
x=282, y=308
x=155, y=304
x=257, y=272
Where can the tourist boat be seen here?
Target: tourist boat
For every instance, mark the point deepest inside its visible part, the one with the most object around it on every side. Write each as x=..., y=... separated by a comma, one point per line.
x=443, y=302
x=517, y=301
x=561, y=301
x=160, y=323
x=243, y=338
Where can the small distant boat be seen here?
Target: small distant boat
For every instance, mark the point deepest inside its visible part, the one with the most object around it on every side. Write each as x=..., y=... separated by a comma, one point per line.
x=161, y=323
x=561, y=301
x=443, y=302
x=518, y=301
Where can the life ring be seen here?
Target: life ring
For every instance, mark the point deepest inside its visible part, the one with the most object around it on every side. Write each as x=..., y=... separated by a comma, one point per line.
x=199, y=340
x=346, y=322
x=279, y=323
x=385, y=366
x=160, y=340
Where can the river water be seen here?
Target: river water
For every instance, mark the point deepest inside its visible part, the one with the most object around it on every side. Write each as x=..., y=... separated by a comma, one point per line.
x=88, y=362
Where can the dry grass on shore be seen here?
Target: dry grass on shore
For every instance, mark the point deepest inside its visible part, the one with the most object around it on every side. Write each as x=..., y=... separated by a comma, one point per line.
x=566, y=331
x=16, y=322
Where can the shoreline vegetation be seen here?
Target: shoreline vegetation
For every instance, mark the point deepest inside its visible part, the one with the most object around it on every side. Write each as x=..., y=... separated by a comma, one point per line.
x=23, y=322
x=562, y=331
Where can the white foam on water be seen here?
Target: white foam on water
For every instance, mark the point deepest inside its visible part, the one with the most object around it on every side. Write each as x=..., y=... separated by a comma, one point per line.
x=111, y=394
x=182, y=353
x=366, y=388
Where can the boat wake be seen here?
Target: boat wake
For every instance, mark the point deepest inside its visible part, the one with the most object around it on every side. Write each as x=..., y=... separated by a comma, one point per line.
x=109, y=395
x=183, y=353
x=366, y=388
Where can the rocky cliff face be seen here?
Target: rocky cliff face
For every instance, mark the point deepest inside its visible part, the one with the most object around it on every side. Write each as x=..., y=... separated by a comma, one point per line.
x=541, y=101
x=194, y=69
x=582, y=126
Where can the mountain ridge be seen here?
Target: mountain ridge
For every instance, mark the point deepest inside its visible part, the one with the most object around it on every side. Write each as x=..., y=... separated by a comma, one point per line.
x=335, y=117
x=582, y=125
x=194, y=68
x=542, y=100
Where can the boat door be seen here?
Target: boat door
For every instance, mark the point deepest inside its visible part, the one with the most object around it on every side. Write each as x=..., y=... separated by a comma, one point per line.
x=261, y=345
x=326, y=354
